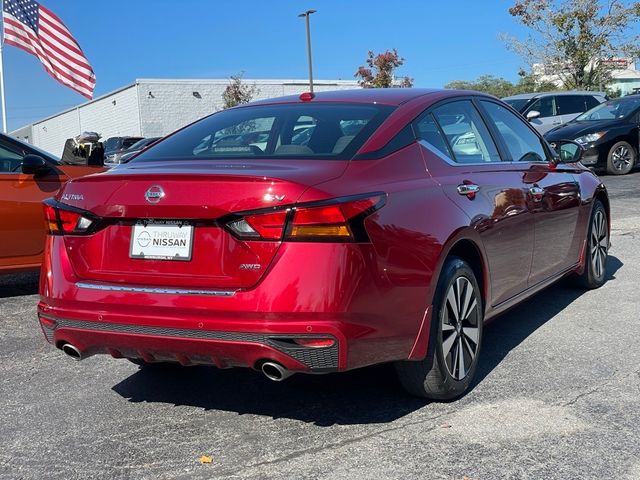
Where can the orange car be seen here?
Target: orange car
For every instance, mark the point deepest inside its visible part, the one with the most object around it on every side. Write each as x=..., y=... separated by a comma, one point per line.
x=27, y=176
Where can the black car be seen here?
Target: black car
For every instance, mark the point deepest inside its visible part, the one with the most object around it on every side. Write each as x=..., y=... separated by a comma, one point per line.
x=122, y=156
x=115, y=145
x=608, y=133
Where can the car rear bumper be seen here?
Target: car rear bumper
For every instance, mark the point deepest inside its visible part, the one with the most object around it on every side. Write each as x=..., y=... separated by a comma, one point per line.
x=347, y=300
x=194, y=346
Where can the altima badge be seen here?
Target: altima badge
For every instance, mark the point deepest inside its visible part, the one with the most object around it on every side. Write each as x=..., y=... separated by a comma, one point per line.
x=154, y=194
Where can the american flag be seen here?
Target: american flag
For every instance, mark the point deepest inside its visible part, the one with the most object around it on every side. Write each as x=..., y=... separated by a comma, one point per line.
x=35, y=29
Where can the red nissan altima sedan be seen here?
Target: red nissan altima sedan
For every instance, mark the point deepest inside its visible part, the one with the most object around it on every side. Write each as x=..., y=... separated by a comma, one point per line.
x=322, y=233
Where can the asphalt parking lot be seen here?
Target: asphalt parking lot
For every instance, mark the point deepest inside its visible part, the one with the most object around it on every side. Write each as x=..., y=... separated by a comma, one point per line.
x=556, y=397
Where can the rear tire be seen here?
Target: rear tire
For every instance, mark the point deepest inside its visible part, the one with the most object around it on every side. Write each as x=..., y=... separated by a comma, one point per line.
x=455, y=338
x=621, y=158
x=595, y=262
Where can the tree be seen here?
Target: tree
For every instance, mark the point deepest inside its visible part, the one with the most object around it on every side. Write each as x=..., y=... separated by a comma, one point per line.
x=576, y=39
x=501, y=87
x=238, y=93
x=380, y=71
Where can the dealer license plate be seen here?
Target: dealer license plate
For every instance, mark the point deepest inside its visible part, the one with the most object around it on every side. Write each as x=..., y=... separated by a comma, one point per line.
x=162, y=240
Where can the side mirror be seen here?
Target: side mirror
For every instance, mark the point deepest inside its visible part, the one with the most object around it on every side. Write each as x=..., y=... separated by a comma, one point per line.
x=533, y=114
x=568, y=151
x=33, y=165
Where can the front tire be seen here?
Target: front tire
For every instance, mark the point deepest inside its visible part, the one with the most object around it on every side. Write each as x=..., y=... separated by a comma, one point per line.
x=621, y=159
x=455, y=339
x=597, y=248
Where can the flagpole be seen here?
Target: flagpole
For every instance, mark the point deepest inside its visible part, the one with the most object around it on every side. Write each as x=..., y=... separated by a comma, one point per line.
x=4, y=105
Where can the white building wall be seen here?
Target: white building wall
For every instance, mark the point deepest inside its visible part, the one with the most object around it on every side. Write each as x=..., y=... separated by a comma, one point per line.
x=112, y=115
x=166, y=106
x=51, y=134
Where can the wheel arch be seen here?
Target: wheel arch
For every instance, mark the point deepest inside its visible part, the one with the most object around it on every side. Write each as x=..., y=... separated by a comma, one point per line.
x=466, y=245
x=601, y=194
x=469, y=251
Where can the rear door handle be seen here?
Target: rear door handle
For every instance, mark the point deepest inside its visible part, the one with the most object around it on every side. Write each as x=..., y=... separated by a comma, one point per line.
x=468, y=189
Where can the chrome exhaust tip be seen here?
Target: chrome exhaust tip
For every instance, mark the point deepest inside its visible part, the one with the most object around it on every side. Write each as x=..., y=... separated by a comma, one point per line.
x=72, y=351
x=275, y=372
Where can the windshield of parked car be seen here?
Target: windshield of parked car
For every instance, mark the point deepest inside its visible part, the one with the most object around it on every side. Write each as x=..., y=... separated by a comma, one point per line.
x=611, y=110
x=140, y=144
x=128, y=142
x=112, y=143
x=301, y=131
x=517, y=103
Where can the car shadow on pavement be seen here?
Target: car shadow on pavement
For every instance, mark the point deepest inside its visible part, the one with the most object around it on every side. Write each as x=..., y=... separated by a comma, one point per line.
x=18, y=284
x=507, y=331
x=364, y=396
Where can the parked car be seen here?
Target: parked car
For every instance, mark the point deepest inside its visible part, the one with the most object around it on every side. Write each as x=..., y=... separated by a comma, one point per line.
x=390, y=242
x=28, y=175
x=609, y=133
x=550, y=109
x=116, y=145
x=124, y=155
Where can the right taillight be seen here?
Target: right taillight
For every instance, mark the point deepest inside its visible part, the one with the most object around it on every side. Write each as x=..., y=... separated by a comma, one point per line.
x=338, y=220
x=63, y=219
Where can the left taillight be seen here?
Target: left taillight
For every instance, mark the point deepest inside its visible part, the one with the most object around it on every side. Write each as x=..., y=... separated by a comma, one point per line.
x=336, y=220
x=63, y=219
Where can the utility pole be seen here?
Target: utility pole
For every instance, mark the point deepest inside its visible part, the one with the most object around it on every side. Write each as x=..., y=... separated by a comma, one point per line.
x=307, y=14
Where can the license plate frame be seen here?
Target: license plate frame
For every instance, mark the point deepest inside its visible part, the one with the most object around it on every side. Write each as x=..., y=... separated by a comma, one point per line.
x=147, y=237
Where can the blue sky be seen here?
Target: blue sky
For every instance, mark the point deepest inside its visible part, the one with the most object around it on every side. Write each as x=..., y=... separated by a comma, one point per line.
x=124, y=40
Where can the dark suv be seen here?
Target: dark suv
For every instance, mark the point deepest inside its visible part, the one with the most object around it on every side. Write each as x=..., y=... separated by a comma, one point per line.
x=549, y=109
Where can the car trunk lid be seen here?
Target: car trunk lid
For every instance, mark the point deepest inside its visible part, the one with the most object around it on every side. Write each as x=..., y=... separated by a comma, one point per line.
x=175, y=200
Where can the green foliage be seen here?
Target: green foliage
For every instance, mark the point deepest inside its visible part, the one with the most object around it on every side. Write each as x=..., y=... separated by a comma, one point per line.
x=501, y=87
x=573, y=39
x=237, y=93
x=380, y=71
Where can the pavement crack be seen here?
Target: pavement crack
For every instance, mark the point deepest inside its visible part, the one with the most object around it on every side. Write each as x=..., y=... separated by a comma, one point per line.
x=581, y=395
x=614, y=379
x=300, y=453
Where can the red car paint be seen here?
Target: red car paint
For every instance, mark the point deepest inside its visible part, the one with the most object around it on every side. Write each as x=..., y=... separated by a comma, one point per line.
x=356, y=303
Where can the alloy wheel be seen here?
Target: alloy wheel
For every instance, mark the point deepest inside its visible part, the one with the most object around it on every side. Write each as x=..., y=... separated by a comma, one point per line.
x=460, y=332
x=621, y=158
x=599, y=243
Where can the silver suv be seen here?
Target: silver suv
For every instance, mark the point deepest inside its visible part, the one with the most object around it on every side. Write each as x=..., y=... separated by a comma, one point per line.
x=549, y=109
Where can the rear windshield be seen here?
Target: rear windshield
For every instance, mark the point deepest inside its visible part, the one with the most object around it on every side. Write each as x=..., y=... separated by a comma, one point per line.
x=517, y=103
x=301, y=131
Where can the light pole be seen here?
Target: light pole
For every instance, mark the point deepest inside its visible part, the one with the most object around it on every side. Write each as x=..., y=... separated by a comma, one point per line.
x=307, y=14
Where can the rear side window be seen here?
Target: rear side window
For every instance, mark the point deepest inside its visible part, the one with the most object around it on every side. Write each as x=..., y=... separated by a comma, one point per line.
x=543, y=105
x=591, y=102
x=568, y=104
x=301, y=131
x=467, y=136
x=521, y=142
x=428, y=130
